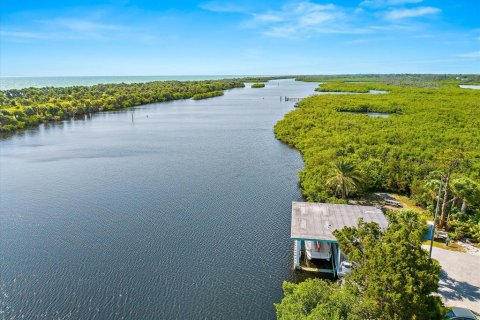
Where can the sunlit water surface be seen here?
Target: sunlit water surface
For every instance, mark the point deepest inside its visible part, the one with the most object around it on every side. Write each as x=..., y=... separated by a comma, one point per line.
x=470, y=86
x=181, y=213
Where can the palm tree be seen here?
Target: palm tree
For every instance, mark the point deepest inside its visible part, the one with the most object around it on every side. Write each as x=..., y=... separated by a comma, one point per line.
x=451, y=160
x=466, y=190
x=344, y=178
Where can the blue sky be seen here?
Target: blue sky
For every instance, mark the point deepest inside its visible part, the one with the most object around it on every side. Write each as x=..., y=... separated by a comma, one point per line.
x=121, y=37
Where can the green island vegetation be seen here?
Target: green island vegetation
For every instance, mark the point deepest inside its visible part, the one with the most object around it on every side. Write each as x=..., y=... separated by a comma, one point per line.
x=29, y=107
x=430, y=129
x=206, y=95
x=258, y=85
x=264, y=79
x=352, y=87
x=393, y=277
x=418, y=80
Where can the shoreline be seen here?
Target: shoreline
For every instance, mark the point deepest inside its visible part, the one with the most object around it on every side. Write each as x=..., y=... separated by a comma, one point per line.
x=30, y=107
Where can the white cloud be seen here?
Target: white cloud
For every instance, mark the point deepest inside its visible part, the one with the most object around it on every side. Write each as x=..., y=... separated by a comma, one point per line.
x=20, y=35
x=306, y=18
x=82, y=25
x=397, y=14
x=470, y=55
x=74, y=28
x=268, y=17
x=299, y=19
x=362, y=41
x=286, y=31
x=316, y=18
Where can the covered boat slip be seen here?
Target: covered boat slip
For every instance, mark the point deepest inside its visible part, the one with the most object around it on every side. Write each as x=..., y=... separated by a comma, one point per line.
x=318, y=250
x=313, y=224
x=308, y=257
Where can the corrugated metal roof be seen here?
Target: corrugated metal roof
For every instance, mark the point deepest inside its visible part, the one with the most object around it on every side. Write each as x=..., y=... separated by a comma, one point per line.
x=317, y=221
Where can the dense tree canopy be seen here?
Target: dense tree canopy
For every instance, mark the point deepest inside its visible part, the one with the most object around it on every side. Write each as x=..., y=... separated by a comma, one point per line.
x=392, y=277
x=32, y=106
x=206, y=95
x=315, y=299
x=428, y=133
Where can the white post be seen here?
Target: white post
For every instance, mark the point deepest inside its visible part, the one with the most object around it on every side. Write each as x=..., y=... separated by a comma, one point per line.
x=339, y=257
x=435, y=216
x=296, y=253
x=333, y=248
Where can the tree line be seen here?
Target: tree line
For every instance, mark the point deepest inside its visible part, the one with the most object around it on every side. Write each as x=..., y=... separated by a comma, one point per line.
x=22, y=108
x=206, y=95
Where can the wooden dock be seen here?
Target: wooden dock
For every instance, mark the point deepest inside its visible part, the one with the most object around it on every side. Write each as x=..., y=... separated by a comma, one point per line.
x=285, y=98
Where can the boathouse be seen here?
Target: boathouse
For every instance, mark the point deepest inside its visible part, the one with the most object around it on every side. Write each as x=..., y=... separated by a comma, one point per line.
x=313, y=224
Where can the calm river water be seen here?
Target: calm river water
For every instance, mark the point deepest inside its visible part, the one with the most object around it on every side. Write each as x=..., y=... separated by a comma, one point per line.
x=182, y=213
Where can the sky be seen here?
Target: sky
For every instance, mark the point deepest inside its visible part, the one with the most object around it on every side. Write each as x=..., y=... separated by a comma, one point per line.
x=121, y=37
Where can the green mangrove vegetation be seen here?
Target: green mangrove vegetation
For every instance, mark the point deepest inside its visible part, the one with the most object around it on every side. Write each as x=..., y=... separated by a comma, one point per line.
x=418, y=80
x=356, y=87
x=258, y=85
x=433, y=131
x=22, y=108
x=264, y=78
x=206, y=95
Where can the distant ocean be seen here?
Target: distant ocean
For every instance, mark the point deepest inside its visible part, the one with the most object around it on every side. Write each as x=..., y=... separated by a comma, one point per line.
x=25, y=82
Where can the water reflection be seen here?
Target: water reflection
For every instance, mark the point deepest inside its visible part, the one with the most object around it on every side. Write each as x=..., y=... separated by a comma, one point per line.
x=470, y=86
x=370, y=114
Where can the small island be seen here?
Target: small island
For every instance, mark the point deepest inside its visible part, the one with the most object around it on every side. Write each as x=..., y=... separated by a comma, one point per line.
x=206, y=95
x=258, y=85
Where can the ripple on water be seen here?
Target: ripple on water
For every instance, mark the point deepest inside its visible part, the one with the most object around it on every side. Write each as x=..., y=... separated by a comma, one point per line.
x=184, y=214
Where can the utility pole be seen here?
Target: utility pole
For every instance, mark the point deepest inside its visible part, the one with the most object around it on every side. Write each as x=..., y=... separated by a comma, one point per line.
x=435, y=216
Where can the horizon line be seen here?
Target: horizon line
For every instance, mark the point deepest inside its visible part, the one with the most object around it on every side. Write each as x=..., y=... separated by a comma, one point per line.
x=246, y=75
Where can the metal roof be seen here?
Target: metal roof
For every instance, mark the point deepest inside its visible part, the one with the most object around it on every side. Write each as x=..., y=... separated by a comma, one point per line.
x=317, y=221
x=463, y=312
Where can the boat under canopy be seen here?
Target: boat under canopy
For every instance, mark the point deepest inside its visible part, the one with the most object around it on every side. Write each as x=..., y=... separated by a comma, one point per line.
x=318, y=250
